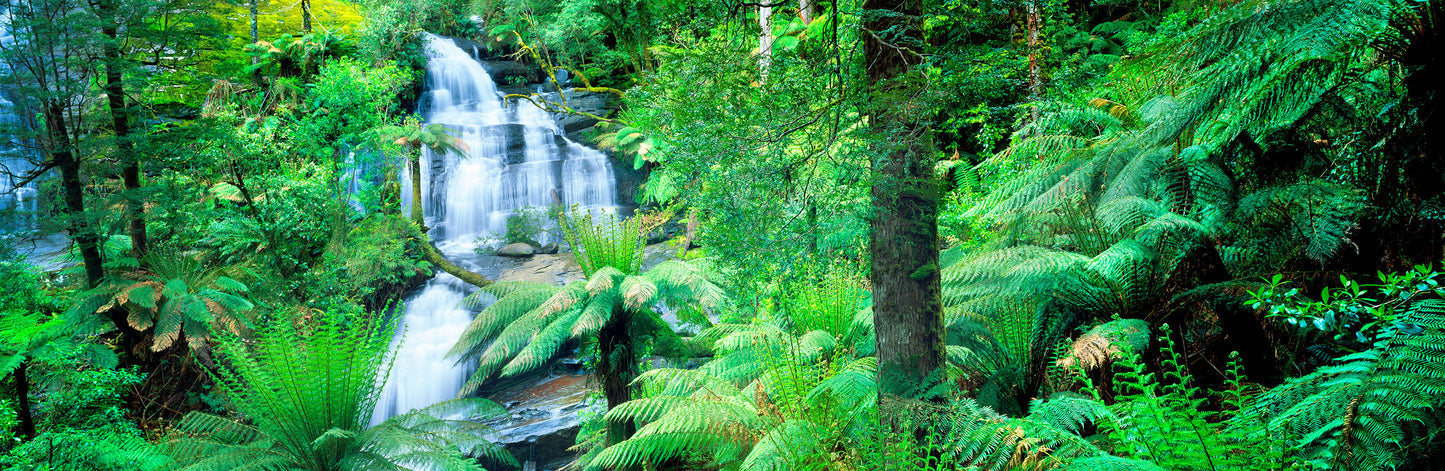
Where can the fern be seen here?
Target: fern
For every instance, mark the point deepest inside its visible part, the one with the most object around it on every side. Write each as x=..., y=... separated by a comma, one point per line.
x=1375, y=407
x=774, y=397
x=175, y=298
x=528, y=323
x=310, y=395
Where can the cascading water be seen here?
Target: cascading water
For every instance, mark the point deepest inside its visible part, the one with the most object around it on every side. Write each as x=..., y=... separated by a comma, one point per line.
x=21, y=199
x=516, y=158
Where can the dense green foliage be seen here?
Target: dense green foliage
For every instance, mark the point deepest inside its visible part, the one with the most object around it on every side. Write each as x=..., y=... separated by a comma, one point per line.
x=310, y=395
x=1174, y=235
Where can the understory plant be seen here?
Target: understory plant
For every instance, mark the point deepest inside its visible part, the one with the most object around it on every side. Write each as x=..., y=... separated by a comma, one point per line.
x=304, y=391
x=1377, y=408
x=786, y=392
x=615, y=308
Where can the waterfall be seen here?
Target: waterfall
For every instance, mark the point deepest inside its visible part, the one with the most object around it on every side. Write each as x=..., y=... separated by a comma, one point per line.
x=21, y=199
x=516, y=158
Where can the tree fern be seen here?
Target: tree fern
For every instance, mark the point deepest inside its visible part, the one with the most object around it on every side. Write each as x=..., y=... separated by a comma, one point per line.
x=309, y=394
x=176, y=297
x=1373, y=408
x=774, y=397
x=614, y=308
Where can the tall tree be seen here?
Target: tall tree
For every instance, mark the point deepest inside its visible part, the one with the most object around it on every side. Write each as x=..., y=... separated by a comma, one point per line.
x=907, y=304
x=111, y=21
x=49, y=73
x=306, y=16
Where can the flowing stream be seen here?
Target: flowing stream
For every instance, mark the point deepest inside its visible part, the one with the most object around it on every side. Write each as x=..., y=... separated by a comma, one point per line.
x=516, y=158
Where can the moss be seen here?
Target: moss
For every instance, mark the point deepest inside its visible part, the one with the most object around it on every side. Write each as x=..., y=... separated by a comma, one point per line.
x=923, y=272
x=228, y=59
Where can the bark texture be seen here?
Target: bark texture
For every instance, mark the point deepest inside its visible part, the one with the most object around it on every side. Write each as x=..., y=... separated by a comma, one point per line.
x=22, y=401
x=120, y=124
x=436, y=258
x=907, y=309
x=64, y=157
x=616, y=368
x=414, y=167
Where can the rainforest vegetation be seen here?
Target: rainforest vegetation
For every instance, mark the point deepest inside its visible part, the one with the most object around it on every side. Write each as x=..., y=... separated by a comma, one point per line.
x=898, y=234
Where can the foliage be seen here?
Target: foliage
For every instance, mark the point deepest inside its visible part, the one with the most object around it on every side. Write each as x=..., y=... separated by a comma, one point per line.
x=174, y=298
x=528, y=322
x=378, y=258
x=530, y=224
x=1369, y=409
x=289, y=56
x=309, y=391
x=785, y=393
x=84, y=428
x=75, y=392
x=1353, y=312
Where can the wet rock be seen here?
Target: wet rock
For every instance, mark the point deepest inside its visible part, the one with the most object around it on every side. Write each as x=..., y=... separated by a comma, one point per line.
x=517, y=250
x=548, y=248
x=543, y=418
x=478, y=50
x=175, y=110
x=556, y=269
x=600, y=104
x=512, y=72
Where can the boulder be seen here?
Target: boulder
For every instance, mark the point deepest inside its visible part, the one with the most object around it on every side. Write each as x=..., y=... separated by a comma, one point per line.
x=548, y=248
x=512, y=72
x=482, y=51
x=543, y=420
x=600, y=104
x=517, y=250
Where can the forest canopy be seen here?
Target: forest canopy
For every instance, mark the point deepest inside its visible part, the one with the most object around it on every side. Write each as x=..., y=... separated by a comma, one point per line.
x=862, y=234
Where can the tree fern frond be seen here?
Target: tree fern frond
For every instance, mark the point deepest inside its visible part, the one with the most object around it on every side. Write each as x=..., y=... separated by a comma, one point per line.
x=1365, y=412
x=855, y=386
x=785, y=446
x=1108, y=463
x=1106, y=343
x=542, y=346
x=492, y=320
x=637, y=292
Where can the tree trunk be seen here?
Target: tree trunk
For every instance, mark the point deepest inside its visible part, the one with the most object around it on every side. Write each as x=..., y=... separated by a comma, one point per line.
x=616, y=368
x=765, y=40
x=22, y=401
x=807, y=10
x=255, y=38
x=305, y=16
x=79, y=228
x=1035, y=76
x=907, y=304
x=414, y=164
x=120, y=123
x=436, y=258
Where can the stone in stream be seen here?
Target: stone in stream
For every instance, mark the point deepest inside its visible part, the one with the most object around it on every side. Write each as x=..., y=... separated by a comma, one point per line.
x=543, y=419
x=518, y=249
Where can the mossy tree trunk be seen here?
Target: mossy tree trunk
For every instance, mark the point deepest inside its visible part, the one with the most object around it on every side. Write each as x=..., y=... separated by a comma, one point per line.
x=305, y=16
x=616, y=368
x=120, y=124
x=907, y=309
x=414, y=165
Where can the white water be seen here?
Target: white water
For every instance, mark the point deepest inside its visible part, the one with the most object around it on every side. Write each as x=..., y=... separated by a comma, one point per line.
x=23, y=198
x=472, y=197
